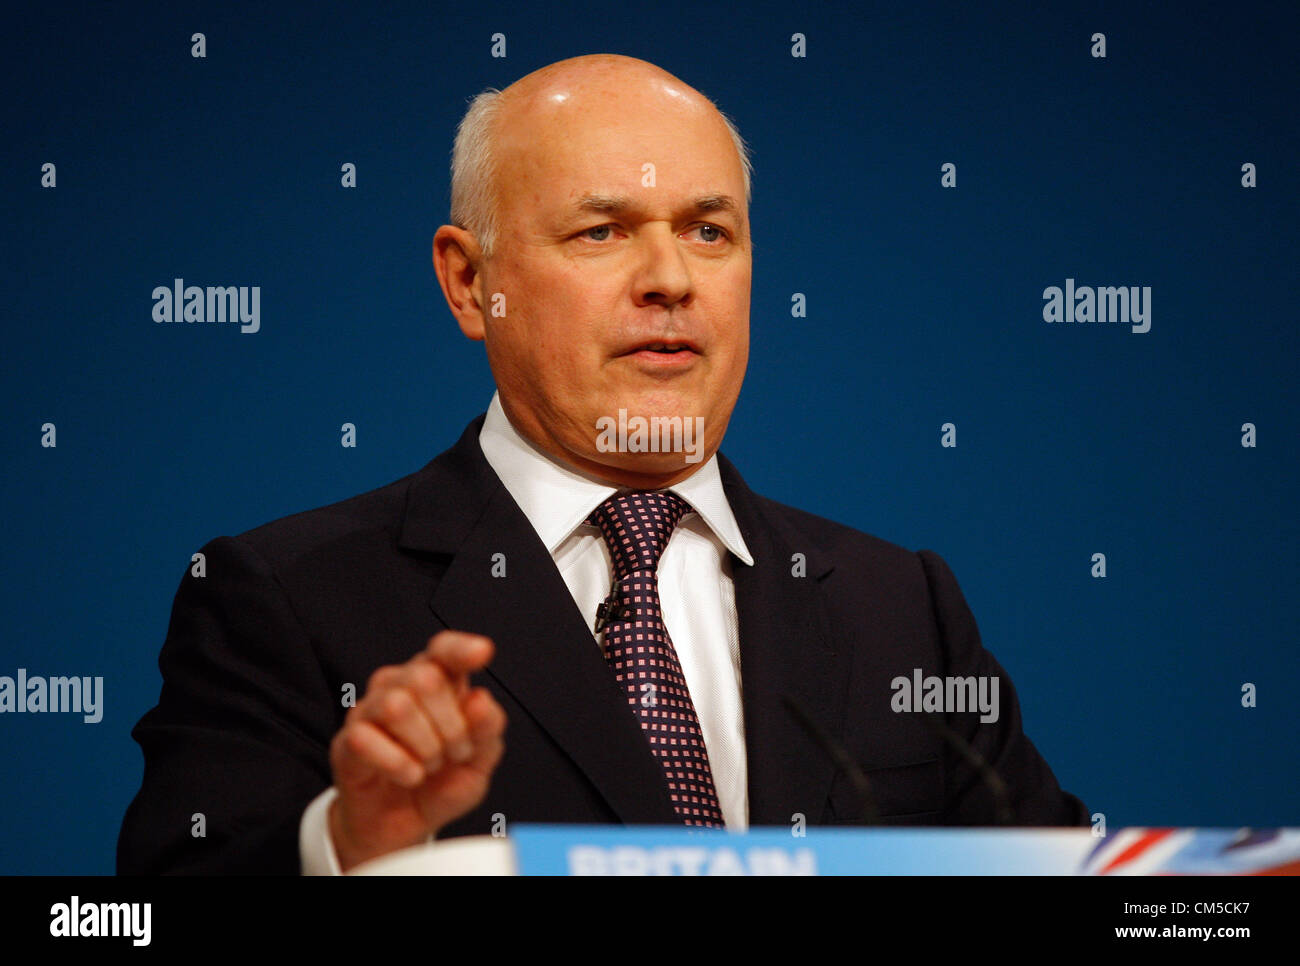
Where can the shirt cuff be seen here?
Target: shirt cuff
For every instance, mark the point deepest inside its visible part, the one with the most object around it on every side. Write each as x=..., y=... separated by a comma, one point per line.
x=315, y=847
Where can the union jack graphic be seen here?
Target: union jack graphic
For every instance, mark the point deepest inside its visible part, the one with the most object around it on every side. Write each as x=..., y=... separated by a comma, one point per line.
x=1204, y=851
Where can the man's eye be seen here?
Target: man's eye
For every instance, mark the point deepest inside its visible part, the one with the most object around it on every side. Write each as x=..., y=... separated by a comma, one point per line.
x=599, y=233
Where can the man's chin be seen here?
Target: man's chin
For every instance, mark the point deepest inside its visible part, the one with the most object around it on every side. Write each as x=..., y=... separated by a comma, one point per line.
x=653, y=443
x=642, y=470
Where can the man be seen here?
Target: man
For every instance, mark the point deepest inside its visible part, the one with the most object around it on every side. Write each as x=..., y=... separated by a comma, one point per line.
x=646, y=633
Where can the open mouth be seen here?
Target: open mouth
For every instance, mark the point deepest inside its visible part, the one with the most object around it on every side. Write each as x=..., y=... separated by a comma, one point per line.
x=664, y=348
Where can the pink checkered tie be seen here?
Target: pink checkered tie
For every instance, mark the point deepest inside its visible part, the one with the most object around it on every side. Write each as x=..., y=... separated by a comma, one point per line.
x=636, y=527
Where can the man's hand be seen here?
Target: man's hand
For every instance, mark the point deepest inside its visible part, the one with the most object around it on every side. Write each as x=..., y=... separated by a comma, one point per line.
x=416, y=752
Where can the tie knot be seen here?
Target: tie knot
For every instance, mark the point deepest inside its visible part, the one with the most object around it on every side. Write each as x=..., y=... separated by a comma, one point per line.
x=636, y=528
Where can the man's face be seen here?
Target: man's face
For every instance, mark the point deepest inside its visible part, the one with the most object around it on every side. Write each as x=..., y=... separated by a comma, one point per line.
x=622, y=226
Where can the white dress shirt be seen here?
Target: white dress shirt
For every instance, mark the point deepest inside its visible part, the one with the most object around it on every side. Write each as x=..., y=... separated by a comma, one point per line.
x=695, y=591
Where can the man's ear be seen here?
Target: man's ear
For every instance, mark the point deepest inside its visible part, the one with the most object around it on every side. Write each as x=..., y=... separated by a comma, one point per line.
x=456, y=260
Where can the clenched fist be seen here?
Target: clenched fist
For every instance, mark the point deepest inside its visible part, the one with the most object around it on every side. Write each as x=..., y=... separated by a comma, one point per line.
x=416, y=752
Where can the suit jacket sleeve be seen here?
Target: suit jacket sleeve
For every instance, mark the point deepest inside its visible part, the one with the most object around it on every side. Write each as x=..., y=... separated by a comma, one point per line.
x=1036, y=797
x=238, y=744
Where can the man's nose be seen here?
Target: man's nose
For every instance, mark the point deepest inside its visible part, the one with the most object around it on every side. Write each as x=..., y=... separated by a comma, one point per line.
x=664, y=276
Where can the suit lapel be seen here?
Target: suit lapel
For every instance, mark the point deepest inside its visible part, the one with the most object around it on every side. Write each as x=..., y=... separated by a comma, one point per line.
x=785, y=650
x=546, y=657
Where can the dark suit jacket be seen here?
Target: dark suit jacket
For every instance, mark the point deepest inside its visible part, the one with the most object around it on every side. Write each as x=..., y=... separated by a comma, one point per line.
x=259, y=651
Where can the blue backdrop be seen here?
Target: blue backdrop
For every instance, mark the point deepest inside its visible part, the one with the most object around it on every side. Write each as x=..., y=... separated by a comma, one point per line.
x=924, y=307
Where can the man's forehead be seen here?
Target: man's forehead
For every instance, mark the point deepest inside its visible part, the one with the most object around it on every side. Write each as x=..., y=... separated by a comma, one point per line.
x=612, y=129
x=615, y=137
x=596, y=166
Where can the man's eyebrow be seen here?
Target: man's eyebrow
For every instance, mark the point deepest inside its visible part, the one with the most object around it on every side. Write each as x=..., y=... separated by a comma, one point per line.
x=622, y=204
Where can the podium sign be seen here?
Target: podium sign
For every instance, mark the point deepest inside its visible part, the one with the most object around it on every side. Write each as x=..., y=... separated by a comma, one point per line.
x=653, y=850
x=605, y=850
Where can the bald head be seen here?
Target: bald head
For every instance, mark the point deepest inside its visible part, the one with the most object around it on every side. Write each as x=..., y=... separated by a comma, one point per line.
x=505, y=133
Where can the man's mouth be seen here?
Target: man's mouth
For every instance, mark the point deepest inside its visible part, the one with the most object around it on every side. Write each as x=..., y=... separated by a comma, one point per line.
x=664, y=348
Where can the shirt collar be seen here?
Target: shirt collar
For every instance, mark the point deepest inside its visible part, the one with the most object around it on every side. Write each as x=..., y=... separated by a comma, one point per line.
x=557, y=499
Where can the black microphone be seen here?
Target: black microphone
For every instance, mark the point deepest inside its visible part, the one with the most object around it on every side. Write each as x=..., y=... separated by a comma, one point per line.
x=611, y=609
x=838, y=754
x=991, y=779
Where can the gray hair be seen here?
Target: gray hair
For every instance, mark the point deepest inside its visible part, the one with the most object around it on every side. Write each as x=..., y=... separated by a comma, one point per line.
x=474, y=169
